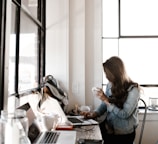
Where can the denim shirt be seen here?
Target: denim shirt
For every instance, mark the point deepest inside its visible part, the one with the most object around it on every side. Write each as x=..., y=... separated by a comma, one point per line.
x=123, y=121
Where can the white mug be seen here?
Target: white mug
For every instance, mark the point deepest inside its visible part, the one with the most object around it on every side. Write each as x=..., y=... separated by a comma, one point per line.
x=84, y=108
x=51, y=120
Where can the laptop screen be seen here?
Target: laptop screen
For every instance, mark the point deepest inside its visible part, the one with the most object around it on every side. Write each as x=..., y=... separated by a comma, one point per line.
x=34, y=130
x=35, y=133
x=29, y=112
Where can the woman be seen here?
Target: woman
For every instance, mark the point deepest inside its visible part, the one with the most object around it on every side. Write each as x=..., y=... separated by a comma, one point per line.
x=119, y=102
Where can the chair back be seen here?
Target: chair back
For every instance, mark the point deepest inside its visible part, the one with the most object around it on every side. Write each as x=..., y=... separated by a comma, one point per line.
x=143, y=121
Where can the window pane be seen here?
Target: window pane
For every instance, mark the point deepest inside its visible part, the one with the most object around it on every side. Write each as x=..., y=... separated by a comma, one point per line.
x=31, y=6
x=110, y=18
x=139, y=17
x=140, y=57
x=28, y=54
x=149, y=92
x=110, y=48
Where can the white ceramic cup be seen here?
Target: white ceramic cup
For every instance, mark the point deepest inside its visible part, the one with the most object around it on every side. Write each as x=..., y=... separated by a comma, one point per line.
x=50, y=121
x=84, y=108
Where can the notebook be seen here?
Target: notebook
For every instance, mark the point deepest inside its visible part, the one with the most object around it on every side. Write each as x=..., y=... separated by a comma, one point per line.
x=36, y=136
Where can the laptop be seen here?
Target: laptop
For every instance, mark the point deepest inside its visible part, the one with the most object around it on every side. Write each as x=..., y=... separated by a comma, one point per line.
x=81, y=121
x=52, y=105
x=37, y=136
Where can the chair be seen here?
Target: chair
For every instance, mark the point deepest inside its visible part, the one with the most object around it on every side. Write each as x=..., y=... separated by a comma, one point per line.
x=143, y=122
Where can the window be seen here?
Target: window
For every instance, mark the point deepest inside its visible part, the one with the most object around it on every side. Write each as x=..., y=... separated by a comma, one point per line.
x=130, y=31
x=27, y=46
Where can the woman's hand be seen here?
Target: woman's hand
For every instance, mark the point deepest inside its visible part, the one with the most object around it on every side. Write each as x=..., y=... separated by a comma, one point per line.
x=100, y=94
x=89, y=115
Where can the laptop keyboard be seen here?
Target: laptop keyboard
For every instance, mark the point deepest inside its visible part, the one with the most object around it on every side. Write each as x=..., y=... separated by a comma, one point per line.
x=74, y=120
x=49, y=138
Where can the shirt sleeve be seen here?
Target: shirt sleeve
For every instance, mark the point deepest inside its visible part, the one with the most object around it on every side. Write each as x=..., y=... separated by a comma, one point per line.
x=103, y=107
x=129, y=106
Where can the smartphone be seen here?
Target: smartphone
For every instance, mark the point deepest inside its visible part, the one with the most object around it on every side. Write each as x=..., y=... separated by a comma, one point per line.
x=90, y=141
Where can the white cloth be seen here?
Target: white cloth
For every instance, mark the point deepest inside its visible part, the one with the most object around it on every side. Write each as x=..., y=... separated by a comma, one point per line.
x=51, y=105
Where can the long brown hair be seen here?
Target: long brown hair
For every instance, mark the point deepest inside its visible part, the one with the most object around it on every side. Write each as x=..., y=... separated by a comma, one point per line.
x=115, y=72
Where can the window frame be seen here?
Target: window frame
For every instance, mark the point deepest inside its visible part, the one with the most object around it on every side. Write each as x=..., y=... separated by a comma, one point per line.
x=2, y=50
x=124, y=37
x=41, y=25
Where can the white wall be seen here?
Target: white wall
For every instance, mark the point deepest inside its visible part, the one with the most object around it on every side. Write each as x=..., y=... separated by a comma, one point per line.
x=73, y=47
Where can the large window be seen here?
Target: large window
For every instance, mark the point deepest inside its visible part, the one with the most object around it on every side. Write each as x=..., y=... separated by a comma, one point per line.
x=27, y=46
x=130, y=31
